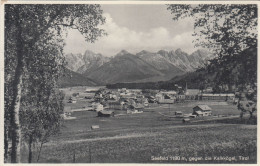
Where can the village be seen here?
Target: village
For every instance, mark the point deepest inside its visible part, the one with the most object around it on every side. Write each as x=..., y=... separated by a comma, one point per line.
x=103, y=125
x=119, y=102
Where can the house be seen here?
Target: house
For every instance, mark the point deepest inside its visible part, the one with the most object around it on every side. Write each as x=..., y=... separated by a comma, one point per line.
x=159, y=96
x=106, y=113
x=178, y=114
x=136, y=112
x=91, y=90
x=186, y=120
x=136, y=106
x=202, y=110
x=192, y=94
x=117, y=105
x=208, y=90
x=223, y=97
x=111, y=97
x=97, y=107
x=151, y=99
x=164, y=98
x=98, y=95
x=172, y=92
x=89, y=95
x=127, y=95
x=128, y=101
x=143, y=101
x=123, y=90
x=180, y=98
x=139, y=96
x=192, y=116
x=136, y=91
x=93, y=127
x=67, y=113
x=134, y=109
x=72, y=100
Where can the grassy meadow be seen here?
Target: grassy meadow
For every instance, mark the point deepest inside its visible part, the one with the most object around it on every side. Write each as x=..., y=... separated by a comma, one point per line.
x=150, y=137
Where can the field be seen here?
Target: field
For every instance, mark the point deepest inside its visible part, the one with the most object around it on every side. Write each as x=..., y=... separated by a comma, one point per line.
x=151, y=137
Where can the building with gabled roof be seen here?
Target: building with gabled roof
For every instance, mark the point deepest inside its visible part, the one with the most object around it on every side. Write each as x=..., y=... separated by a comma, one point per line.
x=192, y=94
x=222, y=96
x=106, y=113
x=202, y=110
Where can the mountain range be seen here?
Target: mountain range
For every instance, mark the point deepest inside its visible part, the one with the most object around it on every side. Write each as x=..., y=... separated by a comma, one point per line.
x=125, y=67
x=225, y=76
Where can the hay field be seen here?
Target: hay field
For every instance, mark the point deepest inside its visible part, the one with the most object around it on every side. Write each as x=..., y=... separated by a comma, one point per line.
x=152, y=138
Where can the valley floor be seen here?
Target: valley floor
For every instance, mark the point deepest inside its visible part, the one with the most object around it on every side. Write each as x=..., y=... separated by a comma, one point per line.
x=152, y=138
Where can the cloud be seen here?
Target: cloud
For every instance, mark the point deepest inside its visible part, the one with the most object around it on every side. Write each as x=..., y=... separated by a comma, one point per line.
x=119, y=38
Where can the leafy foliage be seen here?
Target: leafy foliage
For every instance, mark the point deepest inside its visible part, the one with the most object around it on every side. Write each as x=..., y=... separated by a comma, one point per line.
x=33, y=63
x=231, y=31
x=226, y=28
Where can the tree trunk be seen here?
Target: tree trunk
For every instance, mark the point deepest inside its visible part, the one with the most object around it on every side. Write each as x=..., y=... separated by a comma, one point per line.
x=17, y=90
x=241, y=115
x=14, y=116
x=5, y=143
x=251, y=115
x=30, y=149
x=38, y=158
x=74, y=156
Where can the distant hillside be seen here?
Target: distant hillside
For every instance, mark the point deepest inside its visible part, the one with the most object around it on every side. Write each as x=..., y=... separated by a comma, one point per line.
x=72, y=78
x=124, y=67
x=233, y=71
x=194, y=80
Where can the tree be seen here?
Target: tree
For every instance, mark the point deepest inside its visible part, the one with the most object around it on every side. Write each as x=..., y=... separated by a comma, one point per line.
x=27, y=28
x=42, y=105
x=230, y=30
x=246, y=105
x=39, y=122
x=227, y=29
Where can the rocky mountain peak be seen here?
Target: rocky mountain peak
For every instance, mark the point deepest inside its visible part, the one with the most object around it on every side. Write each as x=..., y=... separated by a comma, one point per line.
x=143, y=52
x=122, y=52
x=88, y=52
x=180, y=52
x=87, y=62
x=162, y=52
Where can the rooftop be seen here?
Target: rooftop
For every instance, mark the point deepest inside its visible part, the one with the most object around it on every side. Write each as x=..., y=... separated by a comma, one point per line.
x=204, y=107
x=192, y=92
x=106, y=112
x=210, y=94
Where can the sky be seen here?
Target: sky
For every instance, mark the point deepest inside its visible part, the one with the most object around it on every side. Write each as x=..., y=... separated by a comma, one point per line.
x=135, y=28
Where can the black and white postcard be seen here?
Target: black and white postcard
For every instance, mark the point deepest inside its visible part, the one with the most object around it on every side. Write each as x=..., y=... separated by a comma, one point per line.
x=129, y=82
